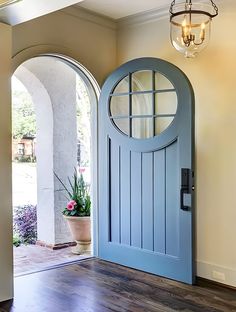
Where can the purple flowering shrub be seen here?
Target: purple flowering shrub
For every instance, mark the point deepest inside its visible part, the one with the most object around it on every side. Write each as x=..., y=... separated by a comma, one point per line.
x=25, y=223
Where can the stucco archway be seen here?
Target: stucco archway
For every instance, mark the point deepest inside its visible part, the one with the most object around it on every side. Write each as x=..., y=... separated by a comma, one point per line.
x=51, y=90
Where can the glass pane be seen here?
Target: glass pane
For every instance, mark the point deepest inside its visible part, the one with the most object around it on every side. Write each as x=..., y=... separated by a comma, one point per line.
x=162, y=123
x=142, y=104
x=142, y=128
x=123, y=86
x=165, y=103
x=122, y=124
x=142, y=80
x=162, y=83
x=119, y=105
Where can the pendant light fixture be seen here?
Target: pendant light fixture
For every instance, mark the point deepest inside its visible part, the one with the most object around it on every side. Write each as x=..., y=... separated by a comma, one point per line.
x=190, y=25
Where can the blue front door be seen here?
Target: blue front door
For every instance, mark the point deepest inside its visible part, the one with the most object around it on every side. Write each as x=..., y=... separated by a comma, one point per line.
x=146, y=130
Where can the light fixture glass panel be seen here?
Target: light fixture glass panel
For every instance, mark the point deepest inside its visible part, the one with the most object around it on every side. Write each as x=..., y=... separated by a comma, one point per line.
x=162, y=83
x=119, y=105
x=123, y=86
x=142, y=104
x=142, y=128
x=142, y=80
x=165, y=103
x=162, y=123
x=122, y=124
x=190, y=26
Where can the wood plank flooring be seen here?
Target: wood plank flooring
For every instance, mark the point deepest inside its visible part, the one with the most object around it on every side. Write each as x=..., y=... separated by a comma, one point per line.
x=98, y=286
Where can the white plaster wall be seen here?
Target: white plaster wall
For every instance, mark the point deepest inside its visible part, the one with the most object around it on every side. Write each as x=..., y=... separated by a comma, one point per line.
x=213, y=76
x=6, y=265
x=44, y=151
x=60, y=82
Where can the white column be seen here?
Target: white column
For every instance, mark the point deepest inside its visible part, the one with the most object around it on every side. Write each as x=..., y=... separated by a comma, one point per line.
x=56, y=147
x=6, y=254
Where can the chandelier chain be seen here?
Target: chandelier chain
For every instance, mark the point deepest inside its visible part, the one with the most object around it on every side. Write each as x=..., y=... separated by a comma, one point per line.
x=215, y=7
x=171, y=6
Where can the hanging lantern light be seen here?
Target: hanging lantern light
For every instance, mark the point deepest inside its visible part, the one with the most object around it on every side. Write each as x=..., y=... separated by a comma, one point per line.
x=191, y=25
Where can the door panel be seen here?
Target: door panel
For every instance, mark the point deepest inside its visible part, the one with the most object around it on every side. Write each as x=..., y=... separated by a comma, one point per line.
x=159, y=201
x=147, y=201
x=172, y=202
x=125, y=196
x=144, y=142
x=136, y=197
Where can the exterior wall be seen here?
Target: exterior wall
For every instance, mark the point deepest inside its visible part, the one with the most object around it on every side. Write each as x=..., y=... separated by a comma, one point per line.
x=28, y=146
x=52, y=86
x=6, y=265
x=213, y=76
x=59, y=80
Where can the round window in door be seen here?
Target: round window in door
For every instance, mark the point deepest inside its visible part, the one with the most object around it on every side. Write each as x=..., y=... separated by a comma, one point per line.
x=143, y=104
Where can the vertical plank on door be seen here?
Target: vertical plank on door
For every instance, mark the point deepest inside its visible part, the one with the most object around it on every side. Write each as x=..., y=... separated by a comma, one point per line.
x=172, y=200
x=136, y=190
x=115, y=192
x=147, y=201
x=125, y=196
x=160, y=201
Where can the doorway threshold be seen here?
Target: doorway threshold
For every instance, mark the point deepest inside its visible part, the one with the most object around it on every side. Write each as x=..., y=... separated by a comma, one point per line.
x=29, y=259
x=82, y=258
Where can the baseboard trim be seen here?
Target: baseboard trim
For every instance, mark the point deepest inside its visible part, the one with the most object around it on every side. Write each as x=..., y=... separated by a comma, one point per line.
x=219, y=274
x=200, y=281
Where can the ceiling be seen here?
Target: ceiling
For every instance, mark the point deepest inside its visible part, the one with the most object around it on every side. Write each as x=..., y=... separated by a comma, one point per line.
x=121, y=8
x=26, y=10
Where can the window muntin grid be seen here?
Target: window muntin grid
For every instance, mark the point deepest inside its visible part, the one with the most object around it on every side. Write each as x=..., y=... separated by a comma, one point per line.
x=143, y=104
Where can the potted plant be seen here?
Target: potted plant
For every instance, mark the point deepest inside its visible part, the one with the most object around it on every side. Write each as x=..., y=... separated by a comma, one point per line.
x=77, y=211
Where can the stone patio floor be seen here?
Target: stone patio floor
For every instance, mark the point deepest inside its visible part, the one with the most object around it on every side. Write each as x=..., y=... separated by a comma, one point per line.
x=33, y=258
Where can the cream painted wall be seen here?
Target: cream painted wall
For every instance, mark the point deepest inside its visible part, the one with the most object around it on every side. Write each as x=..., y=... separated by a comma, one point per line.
x=75, y=33
x=6, y=267
x=93, y=42
x=89, y=40
x=213, y=76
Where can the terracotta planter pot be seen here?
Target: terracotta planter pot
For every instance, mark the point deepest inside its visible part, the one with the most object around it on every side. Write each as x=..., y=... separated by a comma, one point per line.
x=80, y=228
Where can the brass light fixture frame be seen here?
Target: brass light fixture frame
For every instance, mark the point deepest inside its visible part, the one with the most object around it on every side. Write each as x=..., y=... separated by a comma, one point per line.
x=190, y=11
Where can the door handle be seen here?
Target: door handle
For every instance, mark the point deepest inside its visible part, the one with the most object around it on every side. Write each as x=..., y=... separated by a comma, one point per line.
x=182, y=192
x=186, y=186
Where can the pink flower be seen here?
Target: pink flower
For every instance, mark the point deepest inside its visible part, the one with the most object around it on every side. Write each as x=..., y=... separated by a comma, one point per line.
x=71, y=205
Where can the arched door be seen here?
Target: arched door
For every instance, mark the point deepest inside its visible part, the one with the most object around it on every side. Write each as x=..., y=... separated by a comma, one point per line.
x=146, y=141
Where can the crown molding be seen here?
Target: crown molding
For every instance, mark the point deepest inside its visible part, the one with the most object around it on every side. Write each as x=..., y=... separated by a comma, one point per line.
x=90, y=16
x=131, y=20
x=163, y=13
x=144, y=17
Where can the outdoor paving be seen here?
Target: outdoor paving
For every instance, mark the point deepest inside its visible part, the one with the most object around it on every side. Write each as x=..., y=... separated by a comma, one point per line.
x=34, y=258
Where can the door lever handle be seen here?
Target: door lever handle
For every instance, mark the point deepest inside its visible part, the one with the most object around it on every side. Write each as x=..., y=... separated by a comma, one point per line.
x=183, y=191
x=186, y=186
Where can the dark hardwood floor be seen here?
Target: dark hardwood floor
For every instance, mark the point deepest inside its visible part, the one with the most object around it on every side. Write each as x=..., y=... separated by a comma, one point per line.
x=98, y=286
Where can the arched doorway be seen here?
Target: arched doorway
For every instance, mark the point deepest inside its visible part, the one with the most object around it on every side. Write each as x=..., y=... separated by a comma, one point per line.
x=58, y=87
